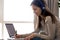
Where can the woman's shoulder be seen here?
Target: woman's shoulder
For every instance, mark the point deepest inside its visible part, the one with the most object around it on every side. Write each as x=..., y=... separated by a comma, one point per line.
x=48, y=18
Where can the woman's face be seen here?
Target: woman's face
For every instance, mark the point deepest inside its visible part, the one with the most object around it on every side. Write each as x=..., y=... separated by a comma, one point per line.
x=36, y=10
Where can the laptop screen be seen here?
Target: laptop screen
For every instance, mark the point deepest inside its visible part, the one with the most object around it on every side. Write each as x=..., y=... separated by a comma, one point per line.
x=10, y=29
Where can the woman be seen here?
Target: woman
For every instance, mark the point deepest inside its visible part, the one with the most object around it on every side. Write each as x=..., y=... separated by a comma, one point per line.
x=48, y=24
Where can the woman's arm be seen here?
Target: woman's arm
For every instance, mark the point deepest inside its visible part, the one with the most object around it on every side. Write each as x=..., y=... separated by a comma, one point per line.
x=35, y=27
x=26, y=35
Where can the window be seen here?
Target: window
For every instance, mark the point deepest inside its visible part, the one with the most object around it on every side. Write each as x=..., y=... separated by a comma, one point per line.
x=0, y=31
x=59, y=12
x=20, y=13
x=18, y=10
x=1, y=18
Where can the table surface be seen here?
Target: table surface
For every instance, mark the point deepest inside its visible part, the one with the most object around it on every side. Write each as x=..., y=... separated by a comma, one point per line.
x=16, y=39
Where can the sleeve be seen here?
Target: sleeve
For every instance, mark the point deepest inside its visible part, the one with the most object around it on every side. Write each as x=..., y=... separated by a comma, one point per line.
x=25, y=35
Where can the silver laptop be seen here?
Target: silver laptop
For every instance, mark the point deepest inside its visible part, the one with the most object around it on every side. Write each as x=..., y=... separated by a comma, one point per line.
x=10, y=29
x=11, y=32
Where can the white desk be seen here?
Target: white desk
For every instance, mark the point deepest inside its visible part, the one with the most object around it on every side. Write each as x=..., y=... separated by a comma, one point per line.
x=16, y=39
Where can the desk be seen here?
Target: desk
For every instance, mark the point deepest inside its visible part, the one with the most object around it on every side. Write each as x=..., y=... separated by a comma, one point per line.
x=16, y=39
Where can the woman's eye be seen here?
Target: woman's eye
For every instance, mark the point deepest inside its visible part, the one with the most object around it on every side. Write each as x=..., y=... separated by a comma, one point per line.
x=34, y=9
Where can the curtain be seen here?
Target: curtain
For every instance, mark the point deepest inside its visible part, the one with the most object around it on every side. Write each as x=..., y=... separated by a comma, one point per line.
x=53, y=5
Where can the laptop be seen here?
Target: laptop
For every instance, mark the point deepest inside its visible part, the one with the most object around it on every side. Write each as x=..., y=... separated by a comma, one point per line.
x=11, y=32
x=10, y=29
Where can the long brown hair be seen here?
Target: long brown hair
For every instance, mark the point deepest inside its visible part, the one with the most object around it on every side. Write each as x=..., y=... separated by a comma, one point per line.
x=46, y=13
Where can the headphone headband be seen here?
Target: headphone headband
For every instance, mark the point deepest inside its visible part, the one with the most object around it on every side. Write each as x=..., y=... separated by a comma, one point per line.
x=39, y=3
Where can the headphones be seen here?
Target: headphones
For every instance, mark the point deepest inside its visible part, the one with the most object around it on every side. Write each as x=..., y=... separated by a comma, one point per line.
x=40, y=4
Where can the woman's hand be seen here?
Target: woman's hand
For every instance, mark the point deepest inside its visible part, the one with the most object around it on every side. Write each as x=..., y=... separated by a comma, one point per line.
x=30, y=37
x=17, y=36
